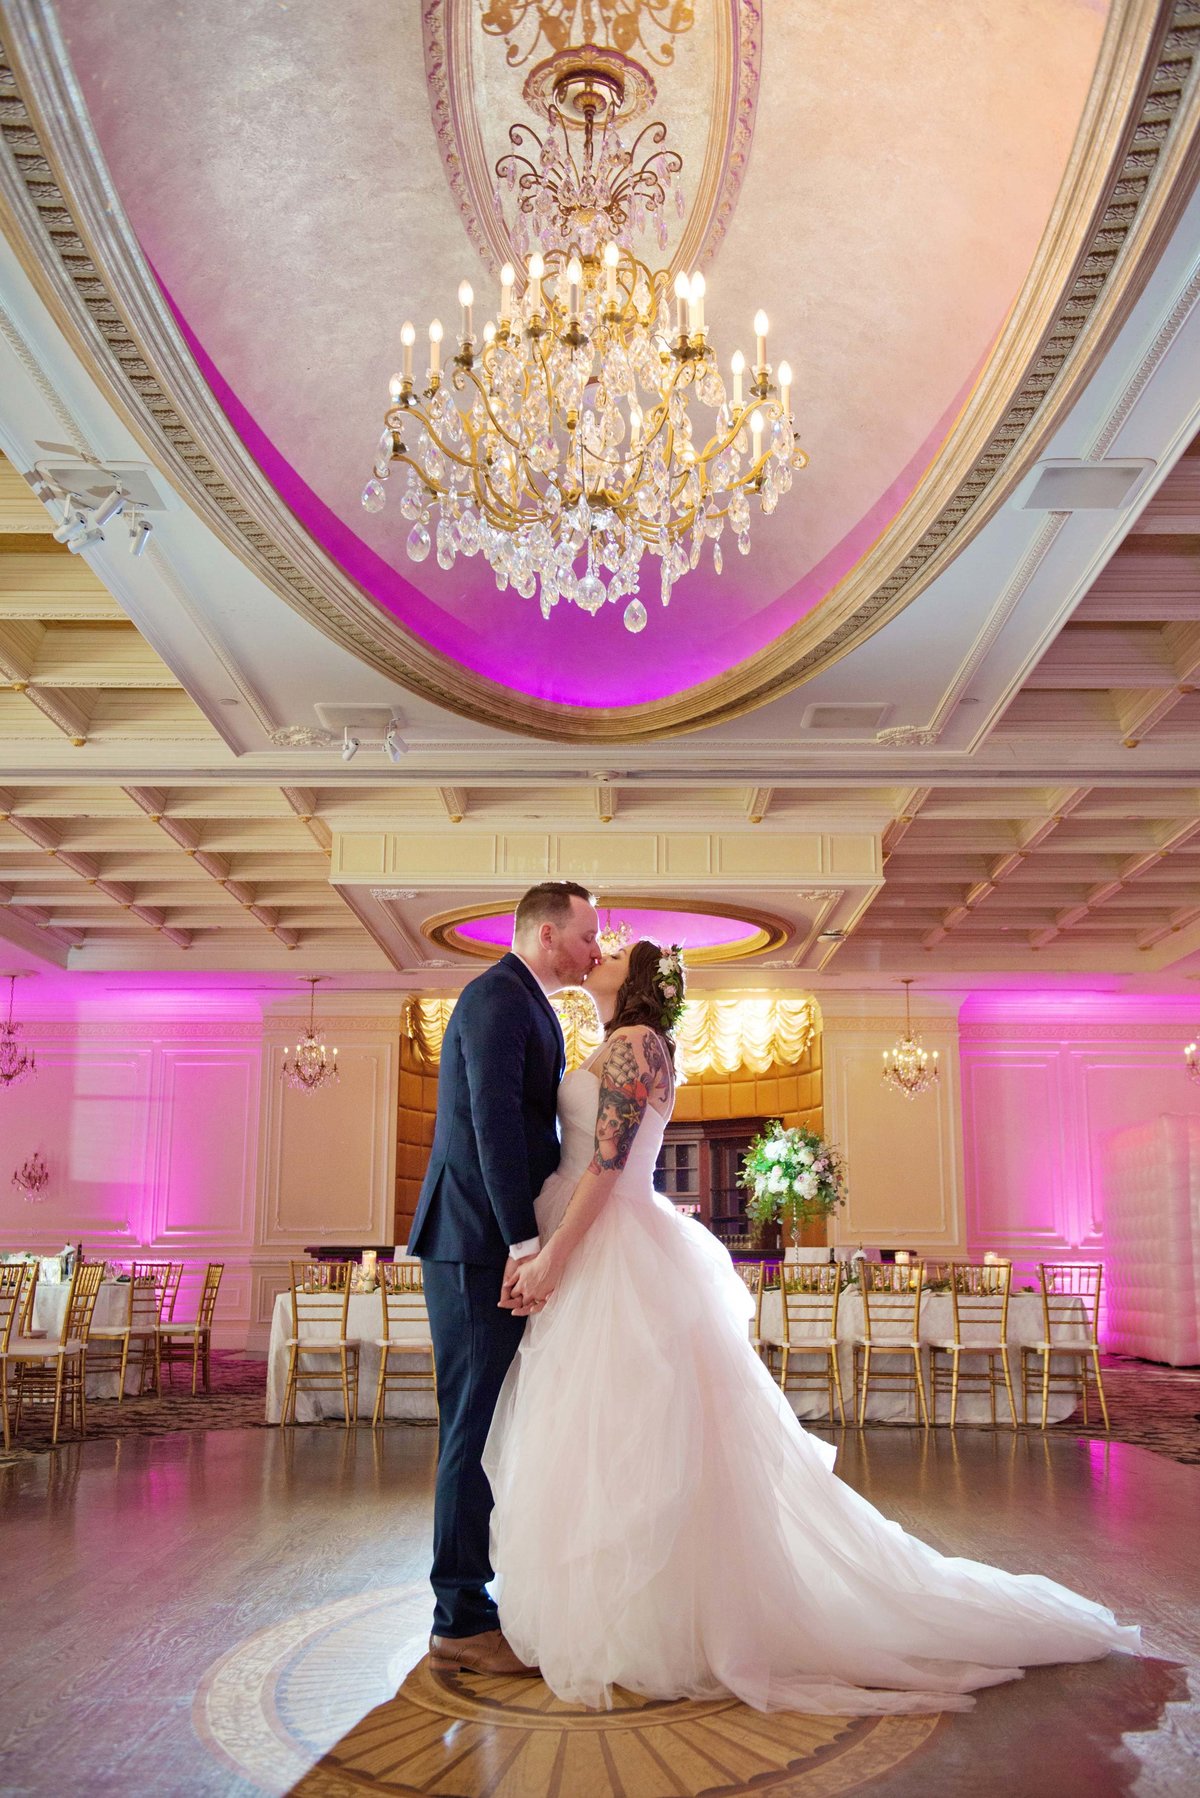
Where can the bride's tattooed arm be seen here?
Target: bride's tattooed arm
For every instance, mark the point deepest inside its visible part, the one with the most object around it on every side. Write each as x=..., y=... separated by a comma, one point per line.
x=624, y=1094
x=658, y=1062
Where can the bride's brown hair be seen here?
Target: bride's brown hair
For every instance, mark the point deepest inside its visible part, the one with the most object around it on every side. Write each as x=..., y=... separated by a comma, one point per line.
x=640, y=998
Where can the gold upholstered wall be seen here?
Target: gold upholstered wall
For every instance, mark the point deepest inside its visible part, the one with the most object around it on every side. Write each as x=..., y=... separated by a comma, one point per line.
x=415, y=1109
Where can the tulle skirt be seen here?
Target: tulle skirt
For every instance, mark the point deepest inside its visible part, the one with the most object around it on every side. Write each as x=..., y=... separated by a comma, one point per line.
x=663, y=1523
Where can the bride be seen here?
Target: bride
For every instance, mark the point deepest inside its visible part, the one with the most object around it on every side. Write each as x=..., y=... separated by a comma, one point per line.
x=662, y=1522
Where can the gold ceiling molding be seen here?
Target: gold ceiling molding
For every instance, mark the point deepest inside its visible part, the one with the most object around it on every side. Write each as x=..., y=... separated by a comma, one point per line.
x=753, y=1032
x=450, y=29
x=1133, y=167
x=765, y=933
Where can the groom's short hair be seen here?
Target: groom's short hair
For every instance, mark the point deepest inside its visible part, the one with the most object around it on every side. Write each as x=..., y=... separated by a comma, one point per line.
x=547, y=903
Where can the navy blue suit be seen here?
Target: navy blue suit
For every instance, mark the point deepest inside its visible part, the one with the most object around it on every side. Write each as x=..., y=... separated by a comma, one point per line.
x=495, y=1142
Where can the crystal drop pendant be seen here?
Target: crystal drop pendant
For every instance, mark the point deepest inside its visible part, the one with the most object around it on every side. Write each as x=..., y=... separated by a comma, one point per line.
x=418, y=543
x=718, y=559
x=373, y=496
x=635, y=616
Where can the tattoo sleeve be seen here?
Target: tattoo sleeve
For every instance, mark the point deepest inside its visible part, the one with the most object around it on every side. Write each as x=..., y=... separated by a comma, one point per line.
x=661, y=1076
x=622, y=1106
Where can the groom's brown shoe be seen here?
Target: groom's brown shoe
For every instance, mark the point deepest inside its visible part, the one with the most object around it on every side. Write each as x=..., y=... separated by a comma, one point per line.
x=485, y=1653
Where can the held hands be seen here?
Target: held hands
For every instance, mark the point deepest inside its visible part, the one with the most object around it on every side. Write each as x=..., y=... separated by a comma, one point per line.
x=527, y=1284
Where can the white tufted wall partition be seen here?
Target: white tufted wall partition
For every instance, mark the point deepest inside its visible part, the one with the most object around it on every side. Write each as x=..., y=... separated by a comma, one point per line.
x=1152, y=1231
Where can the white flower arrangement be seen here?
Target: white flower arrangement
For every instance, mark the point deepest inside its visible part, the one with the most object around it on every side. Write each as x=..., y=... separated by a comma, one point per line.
x=792, y=1174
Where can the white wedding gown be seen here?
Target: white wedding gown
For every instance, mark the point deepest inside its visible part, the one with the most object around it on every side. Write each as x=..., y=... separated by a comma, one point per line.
x=663, y=1523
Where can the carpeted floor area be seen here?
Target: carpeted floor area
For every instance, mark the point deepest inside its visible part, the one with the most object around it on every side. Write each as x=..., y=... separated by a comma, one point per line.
x=1152, y=1407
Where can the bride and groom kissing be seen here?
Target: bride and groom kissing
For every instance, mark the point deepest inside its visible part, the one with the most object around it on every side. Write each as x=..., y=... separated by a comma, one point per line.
x=614, y=1456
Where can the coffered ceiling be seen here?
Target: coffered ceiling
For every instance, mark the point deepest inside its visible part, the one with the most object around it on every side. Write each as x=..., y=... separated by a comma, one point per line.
x=1000, y=781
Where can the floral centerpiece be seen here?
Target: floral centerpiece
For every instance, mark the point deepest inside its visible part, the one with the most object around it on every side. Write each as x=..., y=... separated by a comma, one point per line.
x=792, y=1175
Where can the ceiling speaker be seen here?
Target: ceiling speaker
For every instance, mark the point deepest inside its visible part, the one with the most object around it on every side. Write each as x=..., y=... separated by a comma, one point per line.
x=853, y=719
x=1067, y=486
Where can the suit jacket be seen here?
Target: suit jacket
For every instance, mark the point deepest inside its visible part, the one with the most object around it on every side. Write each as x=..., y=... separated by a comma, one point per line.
x=496, y=1137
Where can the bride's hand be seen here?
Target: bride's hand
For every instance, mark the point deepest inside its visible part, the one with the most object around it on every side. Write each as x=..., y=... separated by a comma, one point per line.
x=535, y=1280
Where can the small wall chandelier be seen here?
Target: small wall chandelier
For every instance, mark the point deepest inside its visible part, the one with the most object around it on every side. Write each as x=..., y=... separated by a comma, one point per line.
x=907, y=1067
x=612, y=938
x=31, y=1179
x=573, y=450
x=313, y=1065
x=1191, y=1056
x=16, y=1063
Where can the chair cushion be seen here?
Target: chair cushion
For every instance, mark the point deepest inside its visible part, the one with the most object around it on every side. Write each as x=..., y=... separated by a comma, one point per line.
x=323, y=1345
x=403, y=1346
x=181, y=1329
x=972, y=1348
x=27, y=1348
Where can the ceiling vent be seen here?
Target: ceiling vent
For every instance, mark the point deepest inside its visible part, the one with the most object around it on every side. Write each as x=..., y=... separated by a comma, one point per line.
x=1071, y=486
x=849, y=720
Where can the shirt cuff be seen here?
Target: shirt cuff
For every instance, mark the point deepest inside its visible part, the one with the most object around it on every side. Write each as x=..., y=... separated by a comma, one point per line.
x=519, y=1250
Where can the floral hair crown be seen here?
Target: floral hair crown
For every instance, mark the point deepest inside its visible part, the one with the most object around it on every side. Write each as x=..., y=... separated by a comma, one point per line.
x=668, y=984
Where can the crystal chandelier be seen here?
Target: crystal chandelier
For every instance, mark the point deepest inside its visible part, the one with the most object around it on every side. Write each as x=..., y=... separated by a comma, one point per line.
x=31, y=1178
x=612, y=938
x=580, y=1022
x=1191, y=1056
x=907, y=1067
x=16, y=1063
x=569, y=441
x=312, y=1065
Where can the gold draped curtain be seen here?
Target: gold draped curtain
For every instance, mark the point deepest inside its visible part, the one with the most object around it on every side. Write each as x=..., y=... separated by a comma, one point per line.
x=716, y=1035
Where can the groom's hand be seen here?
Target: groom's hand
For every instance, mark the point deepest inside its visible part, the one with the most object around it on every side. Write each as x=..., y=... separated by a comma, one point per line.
x=533, y=1284
x=508, y=1281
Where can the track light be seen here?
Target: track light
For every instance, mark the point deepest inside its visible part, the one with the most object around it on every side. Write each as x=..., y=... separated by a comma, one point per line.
x=349, y=747
x=108, y=509
x=73, y=520
x=140, y=533
x=84, y=537
x=394, y=744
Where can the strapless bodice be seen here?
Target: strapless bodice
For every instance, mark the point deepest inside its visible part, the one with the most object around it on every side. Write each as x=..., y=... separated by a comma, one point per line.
x=578, y=1097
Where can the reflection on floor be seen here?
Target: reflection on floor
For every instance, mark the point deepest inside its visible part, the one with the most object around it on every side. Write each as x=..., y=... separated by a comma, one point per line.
x=246, y=1611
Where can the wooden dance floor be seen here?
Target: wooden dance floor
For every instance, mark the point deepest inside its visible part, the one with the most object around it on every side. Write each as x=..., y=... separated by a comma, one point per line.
x=246, y=1612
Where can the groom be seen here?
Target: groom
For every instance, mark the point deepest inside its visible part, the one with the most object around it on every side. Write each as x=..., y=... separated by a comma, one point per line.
x=495, y=1142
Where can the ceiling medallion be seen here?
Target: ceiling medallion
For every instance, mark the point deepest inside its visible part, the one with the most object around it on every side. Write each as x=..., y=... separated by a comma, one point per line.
x=313, y=1065
x=622, y=23
x=16, y=1063
x=907, y=1067
x=573, y=451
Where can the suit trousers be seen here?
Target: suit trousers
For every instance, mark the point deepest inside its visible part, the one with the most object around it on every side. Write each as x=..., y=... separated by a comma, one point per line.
x=473, y=1345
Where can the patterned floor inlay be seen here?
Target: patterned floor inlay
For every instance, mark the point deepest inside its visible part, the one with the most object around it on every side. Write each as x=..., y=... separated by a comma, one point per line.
x=312, y=1706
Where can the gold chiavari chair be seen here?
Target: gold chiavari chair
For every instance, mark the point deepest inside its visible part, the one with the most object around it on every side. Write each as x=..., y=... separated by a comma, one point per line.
x=171, y=1289
x=405, y=1333
x=109, y=1344
x=1071, y=1325
x=320, y=1308
x=891, y=1325
x=26, y=1326
x=12, y=1280
x=50, y=1370
x=181, y=1341
x=810, y=1295
x=979, y=1294
x=752, y=1274
x=407, y=1274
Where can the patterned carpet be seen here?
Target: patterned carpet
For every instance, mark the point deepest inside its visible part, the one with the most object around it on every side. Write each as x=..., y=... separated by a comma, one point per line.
x=1153, y=1407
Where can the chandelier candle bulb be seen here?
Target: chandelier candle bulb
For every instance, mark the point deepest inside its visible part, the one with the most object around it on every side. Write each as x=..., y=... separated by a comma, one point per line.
x=537, y=270
x=785, y=389
x=756, y=430
x=508, y=275
x=699, y=289
x=683, y=295
x=435, y=349
x=737, y=368
x=574, y=283
x=612, y=257
x=466, y=299
x=408, y=337
x=635, y=427
x=395, y=388
x=760, y=337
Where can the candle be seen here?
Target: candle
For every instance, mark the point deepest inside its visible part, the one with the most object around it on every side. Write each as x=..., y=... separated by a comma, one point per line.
x=435, y=347
x=508, y=275
x=394, y=388
x=683, y=295
x=785, y=388
x=612, y=257
x=466, y=299
x=738, y=366
x=756, y=429
x=635, y=426
x=760, y=334
x=902, y=1257
x=574, y=281
x=407, y=337
x=537, y=269
x=489, y=332
x=699, y=289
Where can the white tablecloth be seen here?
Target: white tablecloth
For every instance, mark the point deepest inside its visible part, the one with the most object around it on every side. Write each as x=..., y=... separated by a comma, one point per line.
x=112, y=1308
x=890, y=1403
x=364, y=1325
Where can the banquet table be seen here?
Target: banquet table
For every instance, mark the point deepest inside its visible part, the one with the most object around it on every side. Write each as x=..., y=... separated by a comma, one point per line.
x=364, y=1325
x=112, y=1304
x=891, y=1404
